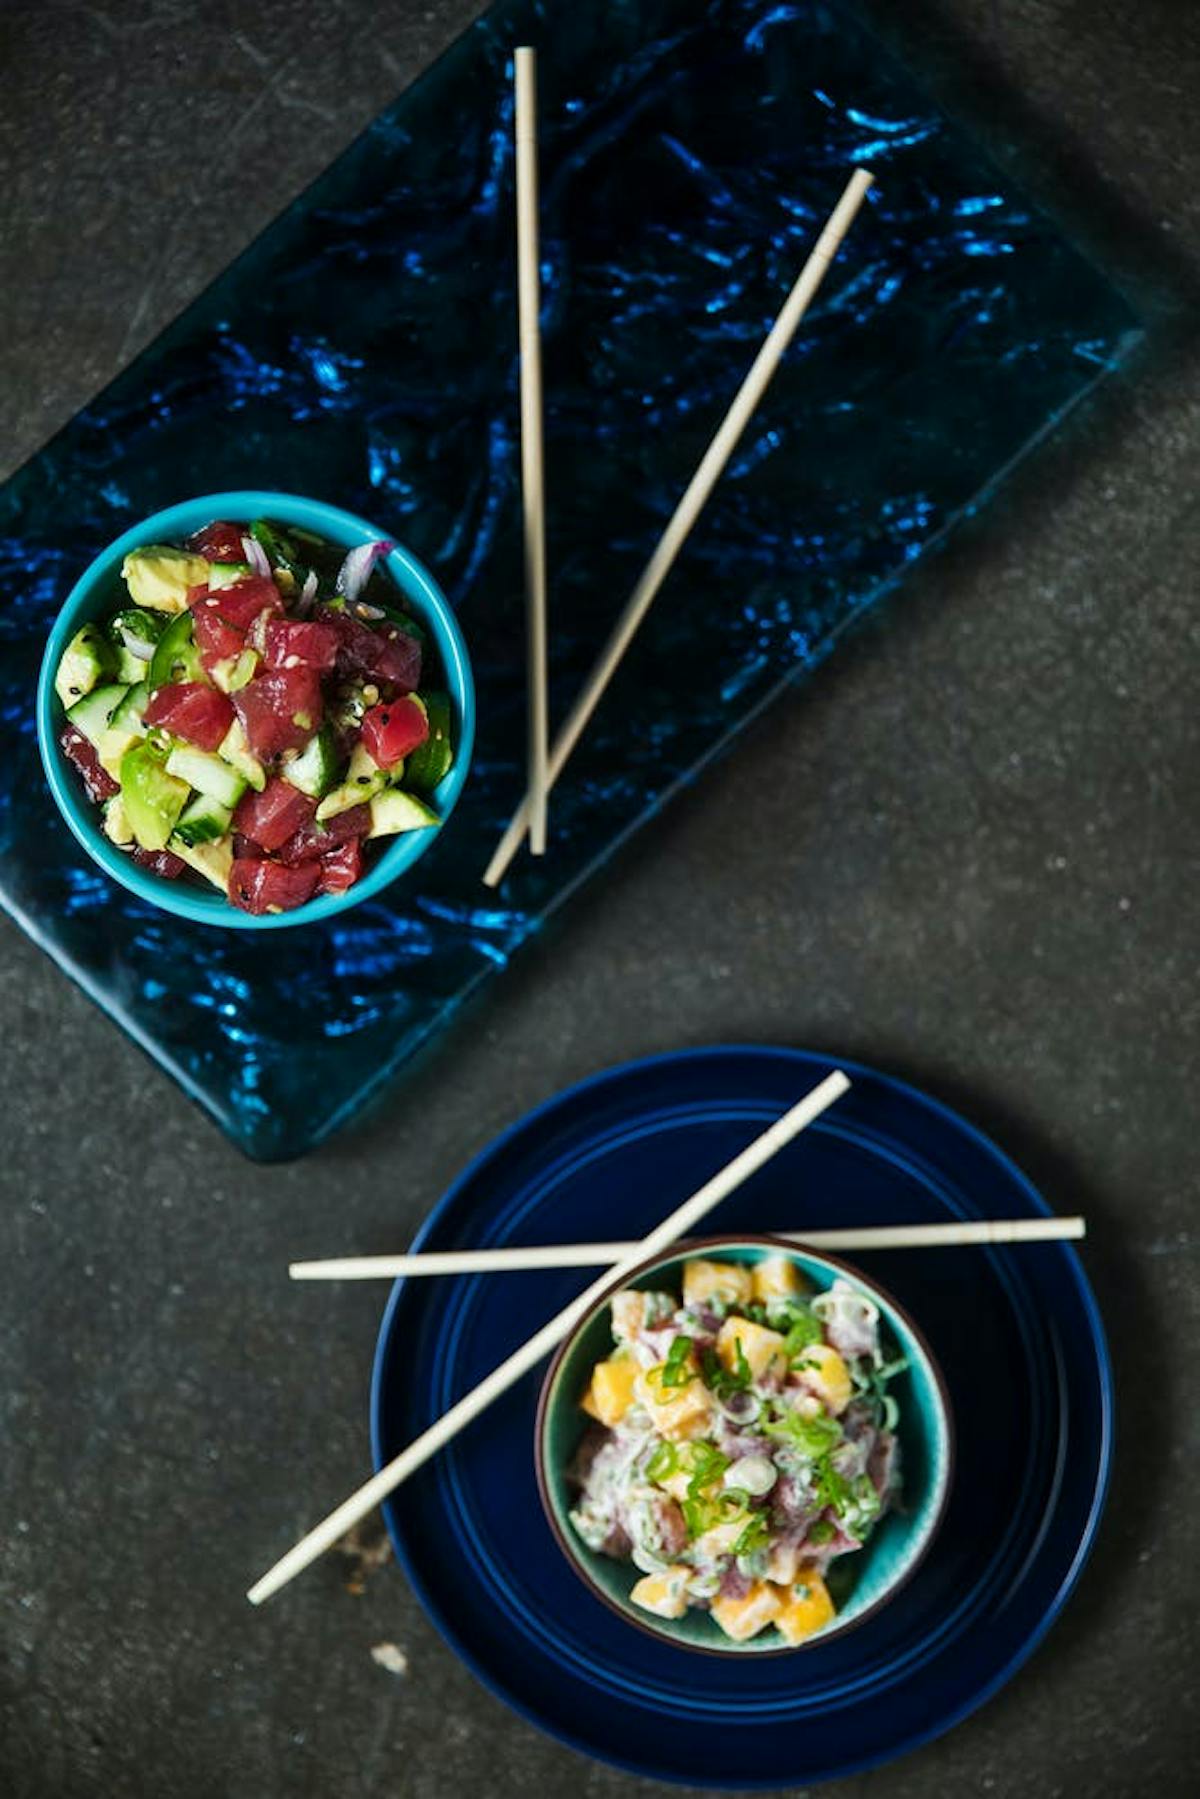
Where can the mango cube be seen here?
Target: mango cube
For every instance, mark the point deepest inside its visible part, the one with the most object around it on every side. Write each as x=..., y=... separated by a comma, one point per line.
x=806, y=1607
x=719, y=1539
x=783, y=1564
x=776, y=1277
x=823, y=1371
x=610, y=1394
x=760, y=1346
x=675, y=1412
x=628, y=1313
x=726, y=1281
x=743, y=1618
x=663, y=1594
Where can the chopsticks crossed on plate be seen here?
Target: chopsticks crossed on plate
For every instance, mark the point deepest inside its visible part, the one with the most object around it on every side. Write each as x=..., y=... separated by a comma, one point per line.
x=675, y=1225
x=695, y=497
x=592, y=1255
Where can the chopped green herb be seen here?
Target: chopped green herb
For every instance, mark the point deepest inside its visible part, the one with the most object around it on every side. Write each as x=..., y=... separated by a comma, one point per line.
x=721, y=1380
x=815, y=1436
x=676, y=1371
x=756, y=1535
x=663, y=1462
x=821, y=1532
x=708, y=1464
x=804, y=1329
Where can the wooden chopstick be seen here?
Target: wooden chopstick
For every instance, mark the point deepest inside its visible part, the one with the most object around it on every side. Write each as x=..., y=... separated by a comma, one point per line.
x=676, y=1224
x=591, y=1255
x=690, y=506
x=533, y=475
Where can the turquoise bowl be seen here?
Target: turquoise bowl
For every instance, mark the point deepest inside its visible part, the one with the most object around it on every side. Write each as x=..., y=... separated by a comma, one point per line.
x=859, y=1584
x=97, y=593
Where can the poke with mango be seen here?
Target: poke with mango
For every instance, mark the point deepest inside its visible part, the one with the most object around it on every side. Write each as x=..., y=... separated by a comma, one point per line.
x=256, y=712
x=743, y=1440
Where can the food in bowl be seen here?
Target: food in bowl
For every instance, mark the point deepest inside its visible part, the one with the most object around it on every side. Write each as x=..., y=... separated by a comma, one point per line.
x=256, y=711
x=743, y=1439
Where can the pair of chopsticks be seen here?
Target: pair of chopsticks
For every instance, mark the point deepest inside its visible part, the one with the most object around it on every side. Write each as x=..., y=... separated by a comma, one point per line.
x=545, y=764
x=623, y=1259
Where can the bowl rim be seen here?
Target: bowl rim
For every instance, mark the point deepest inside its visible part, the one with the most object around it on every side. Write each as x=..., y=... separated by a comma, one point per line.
x=414, y=580
x=678, y=1251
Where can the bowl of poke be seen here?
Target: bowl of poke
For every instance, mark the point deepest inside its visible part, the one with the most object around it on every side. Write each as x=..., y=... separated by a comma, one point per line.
x=254, y=710
x=744, y=1447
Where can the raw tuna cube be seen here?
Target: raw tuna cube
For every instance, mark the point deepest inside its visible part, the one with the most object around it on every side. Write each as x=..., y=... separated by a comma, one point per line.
x=315, y=840
x=269, y=818
x=398, y=658
x=341, y=867
x=392, y=731
x=280, y=710
x=158, y=862
x=215, y=639
x=220, y=542
x=239, y=606
x=257, y=886
x=307, y=641
x=190, y=710
x=99, y=783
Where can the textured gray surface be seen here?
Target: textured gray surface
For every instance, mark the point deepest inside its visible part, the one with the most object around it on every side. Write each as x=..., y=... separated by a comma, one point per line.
x=969, y=852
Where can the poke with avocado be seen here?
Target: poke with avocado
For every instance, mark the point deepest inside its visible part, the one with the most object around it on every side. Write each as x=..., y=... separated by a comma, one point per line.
x=744, y=1439
x=255, y=712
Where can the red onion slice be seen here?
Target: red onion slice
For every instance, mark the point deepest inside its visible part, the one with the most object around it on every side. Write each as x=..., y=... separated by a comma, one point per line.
x=256, y=556
x=356, y=569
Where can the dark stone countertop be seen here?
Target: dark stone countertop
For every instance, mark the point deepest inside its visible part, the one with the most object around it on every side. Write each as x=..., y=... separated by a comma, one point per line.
x=975, y=863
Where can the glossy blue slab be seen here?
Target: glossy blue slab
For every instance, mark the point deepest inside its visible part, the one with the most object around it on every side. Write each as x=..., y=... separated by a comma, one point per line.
x=363, y=351
x=1015, y=1331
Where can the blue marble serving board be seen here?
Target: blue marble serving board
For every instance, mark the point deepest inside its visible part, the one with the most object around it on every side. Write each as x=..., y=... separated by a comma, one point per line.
x=363, y=350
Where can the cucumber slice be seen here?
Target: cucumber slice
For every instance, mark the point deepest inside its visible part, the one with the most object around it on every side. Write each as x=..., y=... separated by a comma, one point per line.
x=394, y=811
x=364, y=777
x=227, y=574
x=204, y=821
x=151, y=795
x=315, y=770
x=130, y=715
x=88, y=660
x=93, y=715
x=176, y=657
x=432, y=760
x=159, y=576
x=130, y=668
x=212, y=860
x=208, y=774
x=235, y=750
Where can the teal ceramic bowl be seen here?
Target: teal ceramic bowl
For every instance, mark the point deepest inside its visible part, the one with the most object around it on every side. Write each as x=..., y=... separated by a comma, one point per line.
x=98, y=592
x=859, y=1583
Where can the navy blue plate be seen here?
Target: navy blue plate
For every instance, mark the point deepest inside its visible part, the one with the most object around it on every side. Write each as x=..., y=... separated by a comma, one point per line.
x=1016, y=1331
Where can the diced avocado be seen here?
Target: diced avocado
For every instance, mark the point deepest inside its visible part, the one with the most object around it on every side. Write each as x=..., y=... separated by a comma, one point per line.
x=394, y=811
x=138, y=630
x=176, y=657
x=212, y=860
x=116, y=825
x=159, y=576
x=204, y=821
x=93, y=715
x=152, y=797
x=235, y=750
x=130, y=714
x=226, y=574
x=208, y=774
x=112, y=747
x=432, y=760
x=234, y=672
x=364, y=777
x=88, y=660
x=315, y=770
